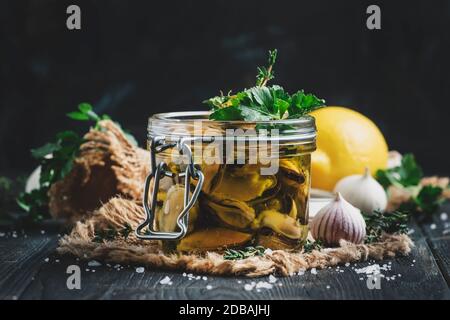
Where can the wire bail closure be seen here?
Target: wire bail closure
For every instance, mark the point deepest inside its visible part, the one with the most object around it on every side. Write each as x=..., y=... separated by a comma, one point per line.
x=159, y=171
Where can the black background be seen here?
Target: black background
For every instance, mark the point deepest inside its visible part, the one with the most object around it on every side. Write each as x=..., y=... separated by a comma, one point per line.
x=135, y=58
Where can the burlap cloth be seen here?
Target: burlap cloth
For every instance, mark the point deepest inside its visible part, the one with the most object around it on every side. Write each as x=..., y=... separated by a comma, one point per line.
x=118, y=211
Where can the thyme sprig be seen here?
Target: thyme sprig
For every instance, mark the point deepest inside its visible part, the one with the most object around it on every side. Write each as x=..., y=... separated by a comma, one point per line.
x=309, y=246
x=111, y=233
x=379, y=222
x=266, y=73
x=231, y=254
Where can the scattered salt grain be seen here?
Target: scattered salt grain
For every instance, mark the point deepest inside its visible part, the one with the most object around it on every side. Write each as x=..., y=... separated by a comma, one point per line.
x=209, y=287
x=204, y=278
x=239, y=281
x=263, y=285
x=249, y=286
x=433, y=226
x=328, y=287
x=42, y=231
x=94, y=263
x=46, y=259
x=347, y=264
x=57, y=260
x=272, y=279
x=184, y=274
x=444, y=216
x=140, y=269
x=166, y=280
x=313, y=271
x=2, y=234
x=14, y=235
x=87, y=270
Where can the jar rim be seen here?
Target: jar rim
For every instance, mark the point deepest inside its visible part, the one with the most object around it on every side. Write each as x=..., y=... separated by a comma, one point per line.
x=177, y=124
x=182, y=116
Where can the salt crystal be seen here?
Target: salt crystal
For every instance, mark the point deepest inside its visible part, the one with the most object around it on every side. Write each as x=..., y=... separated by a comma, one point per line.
x=272, y=279
x=444, y=216
x=239, y=281
x=87, y=270
x=94, y=263
x=433, y=226
x=42, y=231
x=166, y=280
x=184, y=274
x=46, y=259
x=313, y=271
x=208, y=287
x=14, y=235
x=2, y=234
x=328, y=287
x=248, y=287
x=347, y=264
x=57, y=260
x=140, y=270
x=204, y=278
x=264, y=285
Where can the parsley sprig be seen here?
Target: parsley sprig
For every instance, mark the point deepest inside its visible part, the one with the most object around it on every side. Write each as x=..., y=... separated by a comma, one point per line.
x=262, y=102
x=408, y=176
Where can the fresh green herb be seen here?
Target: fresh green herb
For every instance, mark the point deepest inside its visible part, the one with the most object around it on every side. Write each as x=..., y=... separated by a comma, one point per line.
x=309, y=246
x=262, y=102
x=231, y=254
x=111, y=233
x=379, y=222
x=266, y=74
x=427, y=199
x=408, y=175
x=56, y=161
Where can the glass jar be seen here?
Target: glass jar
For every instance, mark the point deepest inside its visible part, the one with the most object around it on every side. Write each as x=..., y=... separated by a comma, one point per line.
x=227, y=184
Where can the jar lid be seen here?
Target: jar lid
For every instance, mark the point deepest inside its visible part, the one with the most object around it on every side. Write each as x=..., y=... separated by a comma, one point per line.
x=193, y=125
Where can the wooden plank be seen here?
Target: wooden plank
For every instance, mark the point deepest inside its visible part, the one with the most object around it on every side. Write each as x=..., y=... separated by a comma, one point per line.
x=21, y=257
x=419, y=278
x=438, y=234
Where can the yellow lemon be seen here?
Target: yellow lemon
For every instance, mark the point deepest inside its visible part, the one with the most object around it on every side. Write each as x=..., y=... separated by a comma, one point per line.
x=347, y=142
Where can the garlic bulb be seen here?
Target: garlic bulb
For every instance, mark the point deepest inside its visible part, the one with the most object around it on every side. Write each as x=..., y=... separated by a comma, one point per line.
x=338, y=220
x=363, y=191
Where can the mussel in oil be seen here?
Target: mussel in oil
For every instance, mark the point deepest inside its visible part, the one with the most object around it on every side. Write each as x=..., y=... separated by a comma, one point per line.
x=213, y=239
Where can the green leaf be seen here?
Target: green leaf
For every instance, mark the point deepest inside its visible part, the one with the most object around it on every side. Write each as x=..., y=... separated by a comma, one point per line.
x=85, y=107
x=406, y=175
x=410, y=173
x=80, y=116
x=45, y=150
x=429, y=199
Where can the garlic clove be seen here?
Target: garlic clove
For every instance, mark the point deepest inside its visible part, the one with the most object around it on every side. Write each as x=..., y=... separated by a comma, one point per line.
x=363, y=191
x=338, y=220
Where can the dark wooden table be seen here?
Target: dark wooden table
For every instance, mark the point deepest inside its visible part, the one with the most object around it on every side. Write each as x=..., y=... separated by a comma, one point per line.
x=30, y=269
